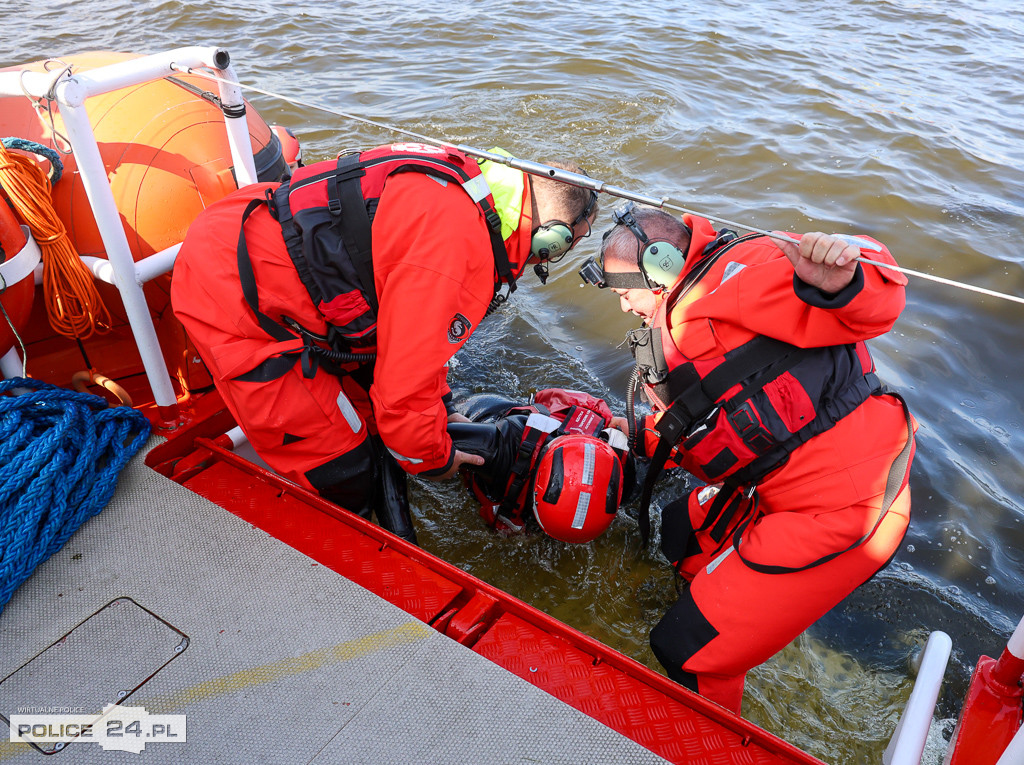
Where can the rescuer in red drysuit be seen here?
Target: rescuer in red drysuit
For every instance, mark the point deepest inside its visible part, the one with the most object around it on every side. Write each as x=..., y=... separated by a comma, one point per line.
x=763, y=389
x=289, y=331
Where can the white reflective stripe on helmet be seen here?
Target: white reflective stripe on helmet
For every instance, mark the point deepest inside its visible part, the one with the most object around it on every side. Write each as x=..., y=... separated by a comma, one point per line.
x=589, y=462
x=582, y=505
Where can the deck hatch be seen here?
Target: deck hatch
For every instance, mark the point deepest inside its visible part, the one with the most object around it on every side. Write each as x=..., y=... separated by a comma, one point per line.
x=102, y=661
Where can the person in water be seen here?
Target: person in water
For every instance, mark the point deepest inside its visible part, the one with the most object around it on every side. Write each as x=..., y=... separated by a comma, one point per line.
x=327, y=307
x=558, y=460
x=752, y=356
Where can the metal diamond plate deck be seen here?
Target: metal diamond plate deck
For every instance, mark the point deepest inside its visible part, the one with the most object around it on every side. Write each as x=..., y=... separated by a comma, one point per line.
x=288, y=662
x=620, y=693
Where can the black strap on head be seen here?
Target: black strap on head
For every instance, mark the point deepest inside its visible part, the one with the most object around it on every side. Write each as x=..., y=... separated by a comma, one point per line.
x=625, y=280
x=592, y=272
x=623, y=216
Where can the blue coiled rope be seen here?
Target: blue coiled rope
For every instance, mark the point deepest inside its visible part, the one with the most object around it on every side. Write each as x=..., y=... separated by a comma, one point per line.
x=56, y=163
x=61, y=453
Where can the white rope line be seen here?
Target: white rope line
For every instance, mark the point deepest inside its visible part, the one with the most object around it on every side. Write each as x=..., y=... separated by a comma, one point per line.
x=576, y=179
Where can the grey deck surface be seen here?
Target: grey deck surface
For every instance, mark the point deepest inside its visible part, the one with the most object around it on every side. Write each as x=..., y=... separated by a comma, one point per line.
x=285, y=662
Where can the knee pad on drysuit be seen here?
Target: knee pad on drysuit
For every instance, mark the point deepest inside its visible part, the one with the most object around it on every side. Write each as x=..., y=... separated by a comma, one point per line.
x=364, y=480
x=682, y=632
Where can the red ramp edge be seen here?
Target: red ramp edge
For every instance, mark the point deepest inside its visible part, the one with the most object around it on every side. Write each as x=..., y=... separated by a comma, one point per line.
x=619, y=692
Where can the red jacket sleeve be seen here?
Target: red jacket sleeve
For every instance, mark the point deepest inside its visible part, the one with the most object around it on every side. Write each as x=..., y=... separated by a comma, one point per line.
x=434, y=273
x=761, y=295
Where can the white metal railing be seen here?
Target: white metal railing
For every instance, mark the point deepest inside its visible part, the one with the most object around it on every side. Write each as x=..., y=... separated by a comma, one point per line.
x=71, y=91
x=911, y=734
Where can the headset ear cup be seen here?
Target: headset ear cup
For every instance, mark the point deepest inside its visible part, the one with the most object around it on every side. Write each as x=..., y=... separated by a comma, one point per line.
x=551, y=240
x=662, y=263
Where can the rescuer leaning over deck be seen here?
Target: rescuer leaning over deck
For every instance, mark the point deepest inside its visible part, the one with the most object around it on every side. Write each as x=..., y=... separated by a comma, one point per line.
x=752, y=356
x=327, y=308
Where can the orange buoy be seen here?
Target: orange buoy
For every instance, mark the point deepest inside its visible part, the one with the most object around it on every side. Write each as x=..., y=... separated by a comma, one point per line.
x=164, y=147
x=165, y=150
x=12, y=239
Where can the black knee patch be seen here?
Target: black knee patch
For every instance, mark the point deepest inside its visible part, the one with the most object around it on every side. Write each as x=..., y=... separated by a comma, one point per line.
x=682, y=631
x=677, y=540
x=348, y=481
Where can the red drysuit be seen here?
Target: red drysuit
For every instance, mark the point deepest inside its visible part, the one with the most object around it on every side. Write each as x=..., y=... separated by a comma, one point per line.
x=434, y=273
x=762, y=571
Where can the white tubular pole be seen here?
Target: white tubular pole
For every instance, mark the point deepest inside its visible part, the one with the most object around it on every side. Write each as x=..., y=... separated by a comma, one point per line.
x=238, y=128
x=237, y=437
x=138, y=70
x=907, y=743
x=10, y=365
x=156, y=264
x=113, y=76
x=149, y=268
x=1015, y=644
x=1014, y=752
x=108, y=220
x=101, y=268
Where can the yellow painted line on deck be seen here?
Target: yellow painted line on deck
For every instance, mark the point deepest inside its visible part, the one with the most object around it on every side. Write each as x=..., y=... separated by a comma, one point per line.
x=293, y=666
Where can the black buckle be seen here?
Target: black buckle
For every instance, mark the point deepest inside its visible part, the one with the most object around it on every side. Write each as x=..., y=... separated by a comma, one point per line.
x=271, y=202
x=750, y=430
x=623, y=216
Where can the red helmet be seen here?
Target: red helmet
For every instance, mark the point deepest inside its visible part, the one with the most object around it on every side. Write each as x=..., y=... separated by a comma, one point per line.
x=290, y=148
x=577, y=488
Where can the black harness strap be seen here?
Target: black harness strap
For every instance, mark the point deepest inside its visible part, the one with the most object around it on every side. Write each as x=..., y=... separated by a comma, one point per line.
x=248, y=281
x=273, y=368
x=311, y=356
x=354, y=220
x=521, y=469
x=762, y=359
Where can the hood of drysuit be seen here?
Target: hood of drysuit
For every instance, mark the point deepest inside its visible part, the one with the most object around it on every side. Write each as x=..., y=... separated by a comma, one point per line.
x=514, y=205
x=702, y=233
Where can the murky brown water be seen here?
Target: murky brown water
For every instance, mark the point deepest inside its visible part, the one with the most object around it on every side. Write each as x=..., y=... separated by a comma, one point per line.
x=897, y=118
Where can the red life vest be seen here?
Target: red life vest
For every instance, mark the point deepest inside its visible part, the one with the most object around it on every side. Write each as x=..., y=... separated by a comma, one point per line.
x=737, y=416
x=553, y=412
x=326, y=212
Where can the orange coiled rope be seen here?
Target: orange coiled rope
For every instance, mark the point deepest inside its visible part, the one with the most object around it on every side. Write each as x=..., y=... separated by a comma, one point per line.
x=73, y=305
